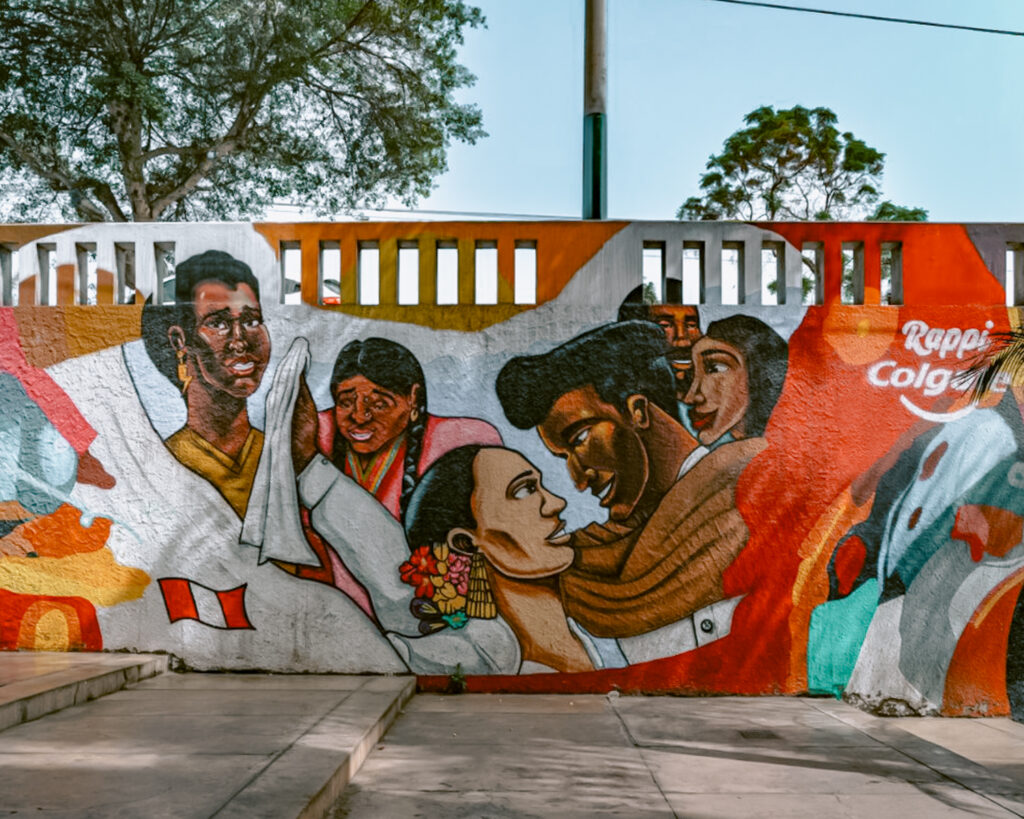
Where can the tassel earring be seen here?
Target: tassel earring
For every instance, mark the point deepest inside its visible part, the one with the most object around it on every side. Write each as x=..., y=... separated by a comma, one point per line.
x=183, y=375
x=479, y=599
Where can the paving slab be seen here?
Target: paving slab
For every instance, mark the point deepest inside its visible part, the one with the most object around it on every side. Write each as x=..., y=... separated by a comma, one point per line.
x=33, y=684
x=200, y=745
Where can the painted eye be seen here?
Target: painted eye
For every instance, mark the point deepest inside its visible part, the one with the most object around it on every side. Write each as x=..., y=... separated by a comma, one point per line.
x=255, y=322
x=524, y=489
x=580, y=438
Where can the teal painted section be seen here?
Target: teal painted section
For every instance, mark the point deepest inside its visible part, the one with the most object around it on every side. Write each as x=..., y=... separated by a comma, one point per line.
x=837, y=633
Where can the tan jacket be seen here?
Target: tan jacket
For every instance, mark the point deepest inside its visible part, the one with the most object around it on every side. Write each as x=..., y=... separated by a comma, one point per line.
x=629, y=580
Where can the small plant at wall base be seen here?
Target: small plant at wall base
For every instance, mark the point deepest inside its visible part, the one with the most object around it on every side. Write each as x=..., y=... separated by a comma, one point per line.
x=794, y=164
x=195, y=110
x=457, y=682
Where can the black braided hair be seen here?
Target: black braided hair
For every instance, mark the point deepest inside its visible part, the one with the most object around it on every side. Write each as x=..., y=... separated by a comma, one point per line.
x=393, y=367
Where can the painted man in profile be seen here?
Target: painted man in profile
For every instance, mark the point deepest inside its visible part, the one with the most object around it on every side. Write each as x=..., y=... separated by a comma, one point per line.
x=605, y=402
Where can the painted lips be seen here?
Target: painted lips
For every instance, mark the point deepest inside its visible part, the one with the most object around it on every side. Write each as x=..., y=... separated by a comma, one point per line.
x=559, y=537
x=241, y=366
x=702, y=420
x=604, y=492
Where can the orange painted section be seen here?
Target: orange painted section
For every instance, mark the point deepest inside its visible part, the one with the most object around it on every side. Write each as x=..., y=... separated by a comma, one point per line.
x=66, y=283
x=941, y=265
x=976, y=679
x=61, y=533
x=23, y=234
x=105, y=284
x=54, y=334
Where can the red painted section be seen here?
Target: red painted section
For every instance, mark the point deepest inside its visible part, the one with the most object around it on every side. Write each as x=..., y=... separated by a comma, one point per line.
x=51, y=399
x=21, y=613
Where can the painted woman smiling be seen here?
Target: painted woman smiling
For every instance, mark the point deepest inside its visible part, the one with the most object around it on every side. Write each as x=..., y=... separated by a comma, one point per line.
x=739, y=367
x=378, y=431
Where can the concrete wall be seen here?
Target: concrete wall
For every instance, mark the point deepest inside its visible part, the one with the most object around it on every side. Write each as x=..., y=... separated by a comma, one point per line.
x=257, y=471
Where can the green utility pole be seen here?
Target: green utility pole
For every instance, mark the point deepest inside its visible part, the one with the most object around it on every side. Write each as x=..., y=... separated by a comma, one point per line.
x=595, y=134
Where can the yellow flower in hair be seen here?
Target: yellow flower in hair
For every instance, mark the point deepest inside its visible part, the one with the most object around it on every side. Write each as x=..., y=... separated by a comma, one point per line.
x=450, y=606
x=445, y=591
x=441, y=551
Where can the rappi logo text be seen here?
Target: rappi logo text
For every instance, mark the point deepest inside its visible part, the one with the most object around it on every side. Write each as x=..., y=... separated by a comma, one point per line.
x=927, y=376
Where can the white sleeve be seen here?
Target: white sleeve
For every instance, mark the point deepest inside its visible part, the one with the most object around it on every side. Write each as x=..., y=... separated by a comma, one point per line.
x=370, y=542
x=480, y=647
x=372, y=545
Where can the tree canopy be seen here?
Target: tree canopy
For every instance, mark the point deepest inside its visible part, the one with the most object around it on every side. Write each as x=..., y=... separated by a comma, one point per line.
x=793, y=164
x=171, y=109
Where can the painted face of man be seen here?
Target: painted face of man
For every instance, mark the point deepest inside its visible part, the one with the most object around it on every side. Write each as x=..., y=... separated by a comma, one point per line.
x=719, y=396
x=230, y=345
x=601, y=446
x=370, y=417
x=682, y=329
x=519, y=528
x=679, y=323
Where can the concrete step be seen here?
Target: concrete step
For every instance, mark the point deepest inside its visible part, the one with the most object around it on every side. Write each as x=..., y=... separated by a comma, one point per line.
x=201, y=745
x=33, y=683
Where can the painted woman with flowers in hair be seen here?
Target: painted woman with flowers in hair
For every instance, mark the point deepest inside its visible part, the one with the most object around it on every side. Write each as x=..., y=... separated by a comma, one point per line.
x=488, y=544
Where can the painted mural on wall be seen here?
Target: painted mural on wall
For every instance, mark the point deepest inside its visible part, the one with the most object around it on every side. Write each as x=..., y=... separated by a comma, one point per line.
x=654, y=497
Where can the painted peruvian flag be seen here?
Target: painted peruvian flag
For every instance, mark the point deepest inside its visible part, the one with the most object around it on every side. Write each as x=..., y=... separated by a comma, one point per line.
x=188, y=600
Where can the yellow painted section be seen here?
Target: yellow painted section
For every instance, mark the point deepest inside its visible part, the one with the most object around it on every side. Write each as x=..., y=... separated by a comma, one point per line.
x=94, y=576
x=53, y=632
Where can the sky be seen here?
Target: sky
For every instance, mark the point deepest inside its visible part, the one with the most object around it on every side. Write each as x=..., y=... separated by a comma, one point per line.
x=945, y=106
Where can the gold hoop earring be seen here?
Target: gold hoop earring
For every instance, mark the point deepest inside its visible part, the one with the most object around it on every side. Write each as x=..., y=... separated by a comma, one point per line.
x=183, y=375
x=414, y=414
x=479, y=598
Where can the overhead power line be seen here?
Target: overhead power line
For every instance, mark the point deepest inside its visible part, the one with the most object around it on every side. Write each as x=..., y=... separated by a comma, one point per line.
x=876, y=17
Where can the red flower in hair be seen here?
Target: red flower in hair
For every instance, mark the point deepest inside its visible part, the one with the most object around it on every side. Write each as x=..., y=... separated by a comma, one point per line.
x=418, y=569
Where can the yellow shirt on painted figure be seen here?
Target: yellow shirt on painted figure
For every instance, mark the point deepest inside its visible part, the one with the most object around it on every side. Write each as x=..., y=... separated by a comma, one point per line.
x=233, y=477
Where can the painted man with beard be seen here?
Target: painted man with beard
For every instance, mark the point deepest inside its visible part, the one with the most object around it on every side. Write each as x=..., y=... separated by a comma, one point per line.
x=214, y=346
x=605, y=402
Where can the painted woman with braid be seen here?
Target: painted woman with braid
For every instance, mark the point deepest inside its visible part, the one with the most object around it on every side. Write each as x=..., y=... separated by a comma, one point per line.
x=379, y=431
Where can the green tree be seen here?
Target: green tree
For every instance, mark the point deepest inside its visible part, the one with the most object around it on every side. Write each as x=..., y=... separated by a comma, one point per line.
x=790, y=164
x=171, y=109
x=890, y=212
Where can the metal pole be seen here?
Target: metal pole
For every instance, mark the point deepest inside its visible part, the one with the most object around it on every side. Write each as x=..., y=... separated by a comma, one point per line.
x=595, y=138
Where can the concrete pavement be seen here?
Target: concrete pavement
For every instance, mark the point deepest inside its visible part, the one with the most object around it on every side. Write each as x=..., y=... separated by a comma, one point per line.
x=521, y=756
x=253, y=745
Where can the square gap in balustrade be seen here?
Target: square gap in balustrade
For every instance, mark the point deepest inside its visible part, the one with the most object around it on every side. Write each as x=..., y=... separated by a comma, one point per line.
x=408, y=272
x=447, y=272
x=652, y=273
x=525, y=271
x=290, y=257
x=86, y=283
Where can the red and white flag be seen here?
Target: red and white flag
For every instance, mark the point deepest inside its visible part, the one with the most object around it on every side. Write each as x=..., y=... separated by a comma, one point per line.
x=188, y=600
